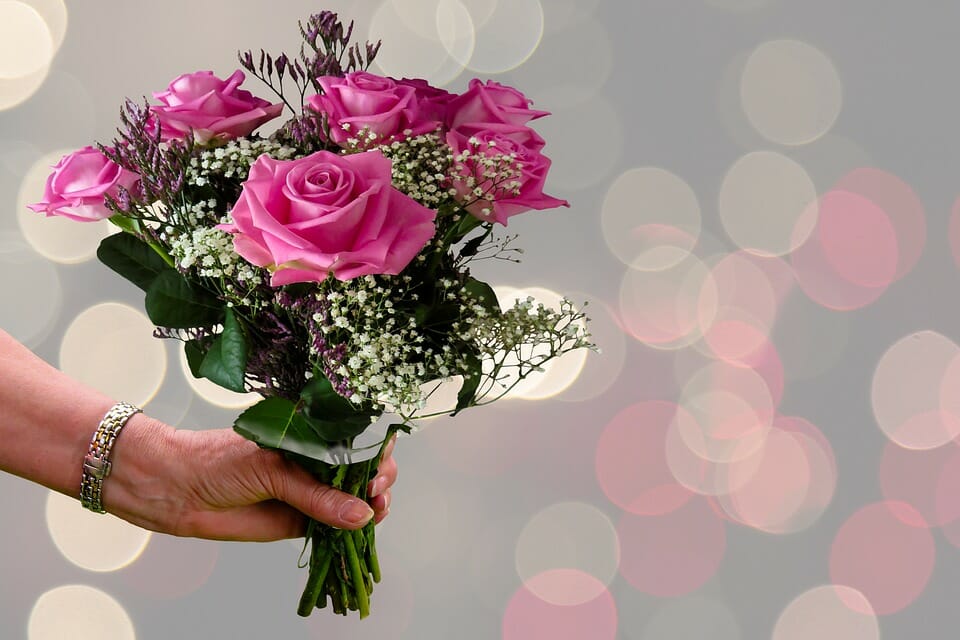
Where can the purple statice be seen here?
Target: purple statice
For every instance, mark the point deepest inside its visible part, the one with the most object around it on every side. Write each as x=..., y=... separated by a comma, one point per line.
x=278, y=361
x=326, y=51
x=162, y=167
x=312, y=313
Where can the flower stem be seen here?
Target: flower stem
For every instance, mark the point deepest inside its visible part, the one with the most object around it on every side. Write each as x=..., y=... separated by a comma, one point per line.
x=319, y=565
x=357, y=576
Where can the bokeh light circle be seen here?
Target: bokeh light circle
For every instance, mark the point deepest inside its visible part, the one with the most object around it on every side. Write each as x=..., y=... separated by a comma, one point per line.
x=559, y=75
x=631, y=465
x=770, y=492
x=568, y=535
x=851, y=257
x=92, y=541
x=877, y=553
x=558, y=373
x=906, y=391
x=901, y=207
x=54, y=14
x=79, y=612
x=26, y=44
x=732, y=410
x=672, y=554
x=16, y=91
x=790, y=91
x=417, y=48
x=34, y=283
x=507, y=34
x=828, y=612
x=110, y=346
x=770, y=187
x=857, y=239
x=650, y=218
x=666, y=309
x=601, y=369
x=54, y=237
x=528, y=616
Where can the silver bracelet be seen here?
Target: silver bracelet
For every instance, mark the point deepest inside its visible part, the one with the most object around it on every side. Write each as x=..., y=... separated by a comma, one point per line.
x=96, y=464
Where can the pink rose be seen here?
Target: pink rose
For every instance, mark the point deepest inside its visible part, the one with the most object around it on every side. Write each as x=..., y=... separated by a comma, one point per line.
x=432, y=100
x=210, y=107
x=490, y=103
x=363, y=100
x=327, y=213
x=79, y=184
x=508, y=199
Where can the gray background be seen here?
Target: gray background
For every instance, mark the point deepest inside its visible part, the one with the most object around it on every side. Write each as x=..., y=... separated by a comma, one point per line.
x=631, y=84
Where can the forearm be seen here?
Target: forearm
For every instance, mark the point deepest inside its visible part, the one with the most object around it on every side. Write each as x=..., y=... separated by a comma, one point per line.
x=46, y=422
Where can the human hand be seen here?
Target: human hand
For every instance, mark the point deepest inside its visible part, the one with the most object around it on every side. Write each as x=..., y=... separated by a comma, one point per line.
x=218, y=485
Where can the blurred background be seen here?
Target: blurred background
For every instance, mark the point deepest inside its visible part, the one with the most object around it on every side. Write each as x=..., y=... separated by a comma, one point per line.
x=765, y=227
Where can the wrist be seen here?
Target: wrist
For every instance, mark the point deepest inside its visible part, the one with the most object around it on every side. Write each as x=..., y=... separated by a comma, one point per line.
x=140, y=486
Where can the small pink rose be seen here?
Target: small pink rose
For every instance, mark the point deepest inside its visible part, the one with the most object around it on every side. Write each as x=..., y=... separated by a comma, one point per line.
x=210, y=107
x=362, y=100
x=79, y=184
x=327, y=213
x=490, y=103
x=433, y=101
x=507, y=199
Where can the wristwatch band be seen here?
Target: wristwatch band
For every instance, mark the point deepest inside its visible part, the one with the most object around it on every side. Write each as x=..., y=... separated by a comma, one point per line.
x=96, y=464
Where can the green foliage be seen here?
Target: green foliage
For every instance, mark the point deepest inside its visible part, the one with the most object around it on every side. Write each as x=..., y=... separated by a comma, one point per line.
x=132, y=258
x=226, y=361
x=276, y=423
x=172, y=301
x=333, y=417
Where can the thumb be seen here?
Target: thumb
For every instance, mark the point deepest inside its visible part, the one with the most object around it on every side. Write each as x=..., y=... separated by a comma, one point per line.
x=321, y=502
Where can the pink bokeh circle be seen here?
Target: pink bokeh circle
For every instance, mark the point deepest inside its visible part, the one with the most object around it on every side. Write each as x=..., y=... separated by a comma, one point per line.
x=527, y=617
x=887, y=560
x=631, y=464
x=902, y=207
x=672, y=554
x=842, y=266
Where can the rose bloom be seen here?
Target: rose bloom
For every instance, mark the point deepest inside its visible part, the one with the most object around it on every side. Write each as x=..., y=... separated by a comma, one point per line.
x=490, y=103
x=79, y=184
x=327, y=214
x=505, y=139
x=210, y=107
x=361, y=100
x=433, y=101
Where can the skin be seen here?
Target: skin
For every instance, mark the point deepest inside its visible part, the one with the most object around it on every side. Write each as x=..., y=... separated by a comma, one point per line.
x=210, y=484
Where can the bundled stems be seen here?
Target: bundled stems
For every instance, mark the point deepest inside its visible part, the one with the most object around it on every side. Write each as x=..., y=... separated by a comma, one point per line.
x=343, y=563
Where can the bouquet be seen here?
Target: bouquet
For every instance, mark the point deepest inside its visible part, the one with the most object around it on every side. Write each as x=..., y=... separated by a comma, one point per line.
x=326, y=266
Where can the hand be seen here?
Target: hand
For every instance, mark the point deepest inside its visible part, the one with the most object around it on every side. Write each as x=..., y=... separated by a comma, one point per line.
x=218, y=485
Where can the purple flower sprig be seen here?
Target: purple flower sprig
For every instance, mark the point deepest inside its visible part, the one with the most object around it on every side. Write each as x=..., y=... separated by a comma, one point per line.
x=326, y=42
x=162, y=167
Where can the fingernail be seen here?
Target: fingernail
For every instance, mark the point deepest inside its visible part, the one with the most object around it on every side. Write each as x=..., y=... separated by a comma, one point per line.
x=356, y=512
x=377, y=486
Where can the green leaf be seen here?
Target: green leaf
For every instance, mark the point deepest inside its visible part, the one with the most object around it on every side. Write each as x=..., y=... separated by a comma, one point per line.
x=226, y=360
x=483, y=293
x=133, y=259
x=195, y=352
x=333, y=417
x=130, y=225
x=174, y=302
x=275, y=423
x=471, y=381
